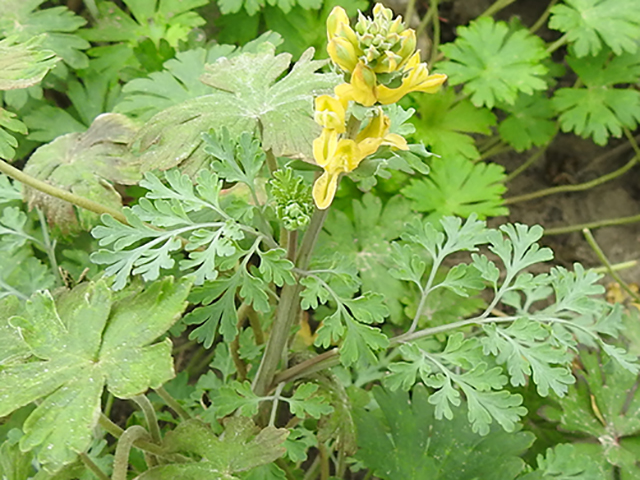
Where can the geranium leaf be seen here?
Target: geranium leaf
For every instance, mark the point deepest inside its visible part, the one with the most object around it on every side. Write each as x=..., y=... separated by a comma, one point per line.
x=79, y=342
x=494, y=62
x=530, y=122
x=24, y=64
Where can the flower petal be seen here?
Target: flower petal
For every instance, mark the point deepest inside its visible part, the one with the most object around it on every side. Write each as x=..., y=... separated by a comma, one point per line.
x=324, y=190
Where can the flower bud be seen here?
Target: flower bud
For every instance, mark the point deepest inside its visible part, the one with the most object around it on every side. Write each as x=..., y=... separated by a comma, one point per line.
x=361, y=89
x=330, y=113
x=343, y=53
x=336, y=21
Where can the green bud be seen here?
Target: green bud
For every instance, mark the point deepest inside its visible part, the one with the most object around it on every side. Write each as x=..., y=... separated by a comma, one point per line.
x=291, y=199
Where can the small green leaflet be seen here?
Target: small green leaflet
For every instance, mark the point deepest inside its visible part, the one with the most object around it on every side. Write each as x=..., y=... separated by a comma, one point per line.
x=530, y=122
x=444, y=124
x=8, y=143
x=247, y=97
x=20, y=21
x=494, y=63
x=589, y=24
x=85, y=164
x=79, y=343
x=457, y=186
x=598, y=109
x=242, y=447
x=291, y=199
x=24, y=64
x=403, y=439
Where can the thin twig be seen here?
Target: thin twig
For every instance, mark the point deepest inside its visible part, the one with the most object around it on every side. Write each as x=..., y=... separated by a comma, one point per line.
x=172, y=403
x=573, y=188
x=612, y=222
x=530, y=161
x=43, y=187
x=543, y=18
x=605, y=261
x=91, y=465
x=435, y=45
x=496, y=7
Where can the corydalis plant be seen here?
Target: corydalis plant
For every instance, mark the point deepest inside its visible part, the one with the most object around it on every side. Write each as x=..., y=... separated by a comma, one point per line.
x=380, y=52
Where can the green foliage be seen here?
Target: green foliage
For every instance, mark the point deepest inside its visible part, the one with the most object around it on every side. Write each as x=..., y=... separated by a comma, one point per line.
x=85, y=164
x=247, y=96
x=599, y=109
x=457, y=186
x=603, y=405
x=20, y=21
x=24, y=64
x=567, y=461
x=8, y=143
x=78, y=343
x=589, y=24
x=241, y=448
x=494, y=63
x=444, y=124
x=254, y=6
x=530, y=122
x=417, y=445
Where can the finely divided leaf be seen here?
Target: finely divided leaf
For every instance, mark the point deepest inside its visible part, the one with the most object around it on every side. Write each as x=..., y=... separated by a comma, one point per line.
x=494, y=62
x=8, y=143
x=24, y=64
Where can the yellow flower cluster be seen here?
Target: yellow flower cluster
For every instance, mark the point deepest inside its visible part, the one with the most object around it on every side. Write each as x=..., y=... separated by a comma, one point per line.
x=379, y=48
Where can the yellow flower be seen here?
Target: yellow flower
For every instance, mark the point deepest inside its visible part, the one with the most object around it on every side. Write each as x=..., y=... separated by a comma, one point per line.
x=417, y=79
x=376, y=134
x=344, y=157
x=361, y=89
x=343, y=53
x=330, y=113
x=343, y=45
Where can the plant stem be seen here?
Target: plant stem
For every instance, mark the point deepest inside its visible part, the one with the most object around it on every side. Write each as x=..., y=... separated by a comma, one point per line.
x=496, y=7
x=12, y=291
x=125, y=442
x=408, y=13
x=605, y=261
x=274, y=406
x=172, y=403
x=424, y=22
x=41, y=186
x=315, y=364
x=573, y=188
x=150, y=417
x=496, y=150
x=433, y=7
x=95, y=469
x=49, y=246
x=617, y=266
x=558, y=43
x=530, y=161
x=591, y=225
x=543, y=18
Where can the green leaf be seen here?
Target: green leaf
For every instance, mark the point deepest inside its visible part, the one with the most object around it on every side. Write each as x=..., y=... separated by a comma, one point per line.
x=602, y=404
x=404, y=440
x=22, y=274
x=457, y=186
x=80, y=342
x=242, y=447
x=12, y=347
x=598, y=109
x=366, y=241
x=229, y=398
x=19, y=19
x=247, y=98
x=275, y=268
x=85, y=164
x=24, y=64
x=179, y=80
x=528, y=348
x=529, y=122
x=444, y=125
x=304, y=402
x=170, y=20
x=235, y=161
x=590, y=23
x=517, y=247
x=8, y=143
x=566, y=462
x=291, y=197
x=494, y=63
